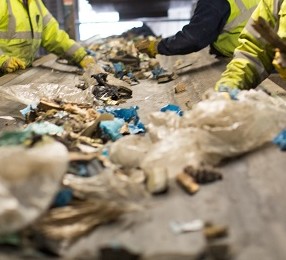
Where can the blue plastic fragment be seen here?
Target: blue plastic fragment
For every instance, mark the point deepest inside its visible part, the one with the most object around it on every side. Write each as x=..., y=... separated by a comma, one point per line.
x=157, y=71
x=112, y=128
x=119, y=69
x=280, y=140
x=172, y=107
x=63, y=197
x=136, y=129
x=43, y=128
x=129, y=115
x=28, y=109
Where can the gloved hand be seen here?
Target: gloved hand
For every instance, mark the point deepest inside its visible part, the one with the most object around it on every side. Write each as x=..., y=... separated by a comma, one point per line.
x=279, y=63
x=87, y=61
x=12, y=64
x=148, y=46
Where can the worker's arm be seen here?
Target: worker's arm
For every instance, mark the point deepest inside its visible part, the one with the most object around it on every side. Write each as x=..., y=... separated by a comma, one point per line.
x=205, y=25
x=58, y=42
x=252, y=61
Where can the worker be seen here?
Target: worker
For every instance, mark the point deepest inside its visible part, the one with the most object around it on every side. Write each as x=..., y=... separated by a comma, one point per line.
x=25, y=25
x=254, y=59
x=217, y=23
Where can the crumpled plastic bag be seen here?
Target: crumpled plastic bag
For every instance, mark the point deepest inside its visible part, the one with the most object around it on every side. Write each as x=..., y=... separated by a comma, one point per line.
x=129, y=151
x=29, y=180
x=215, y=128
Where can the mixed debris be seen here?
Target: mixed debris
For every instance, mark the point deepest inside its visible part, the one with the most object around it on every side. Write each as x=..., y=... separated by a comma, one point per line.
x=74, y=166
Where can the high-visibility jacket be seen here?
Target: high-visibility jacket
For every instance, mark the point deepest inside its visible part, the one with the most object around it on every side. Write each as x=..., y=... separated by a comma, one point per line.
x=217, y=23
x=23, y=29
x=240, y=12
x=252, y=61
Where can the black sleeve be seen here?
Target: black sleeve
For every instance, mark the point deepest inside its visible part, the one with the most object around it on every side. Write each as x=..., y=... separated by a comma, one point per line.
x=205, y=25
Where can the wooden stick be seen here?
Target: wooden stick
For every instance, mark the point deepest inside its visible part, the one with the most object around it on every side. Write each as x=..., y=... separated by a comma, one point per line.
x=268, y=33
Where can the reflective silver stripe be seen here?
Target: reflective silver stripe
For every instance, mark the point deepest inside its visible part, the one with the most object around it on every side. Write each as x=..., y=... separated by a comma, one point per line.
x=70, y=52
x=39, y=7
x=20, y=35
x=252, y=31
x=276, y=6
x=244, y=15
x=47, y=18
x=262, y=73
x=12, y=21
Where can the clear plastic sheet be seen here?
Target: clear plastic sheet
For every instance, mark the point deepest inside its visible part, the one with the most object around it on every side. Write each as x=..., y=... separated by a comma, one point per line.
x=33, y=92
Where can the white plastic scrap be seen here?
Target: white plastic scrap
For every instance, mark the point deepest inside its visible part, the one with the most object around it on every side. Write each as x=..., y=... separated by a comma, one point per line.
x=29, y=180
x=182, y=227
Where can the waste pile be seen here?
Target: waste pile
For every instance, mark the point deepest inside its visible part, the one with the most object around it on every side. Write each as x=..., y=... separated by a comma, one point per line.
x=80, y=161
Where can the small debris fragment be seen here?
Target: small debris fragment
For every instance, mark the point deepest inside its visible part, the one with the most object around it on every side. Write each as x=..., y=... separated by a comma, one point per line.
x=212, y=231
x=157, y=181
x=187, y=183
x=203, y=174
x=180, y=87
x=219, y=250
x=166, y=77
x=182, y=227
x=117, y=252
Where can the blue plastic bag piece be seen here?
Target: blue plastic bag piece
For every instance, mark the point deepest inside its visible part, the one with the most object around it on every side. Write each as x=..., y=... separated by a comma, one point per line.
x=172, y=107
x=129, y=115
x=280, y=140
x=118, y=66
x=233, y=92
x=63, y=197
x=28, y=109
x=43, y=128
x=118, y=69
x=136, y=129
x=125, y=113
x=112, y=128
x=157, y=71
